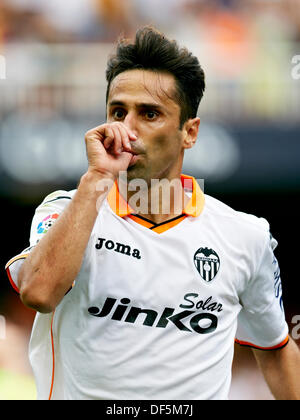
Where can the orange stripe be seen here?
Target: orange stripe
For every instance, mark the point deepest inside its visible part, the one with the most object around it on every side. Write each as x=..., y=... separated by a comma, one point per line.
x=193, y=208
x=169, y=225
x=196, y=203
x=158, y=229
x=117, y=203
x=53, y=357
x=245, y=343
x=142, y=222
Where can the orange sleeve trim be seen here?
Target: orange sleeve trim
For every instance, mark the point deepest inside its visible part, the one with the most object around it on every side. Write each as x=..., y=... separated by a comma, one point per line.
x=14, y=286
x=278, y=346
x=10, y=262
x=18, y=257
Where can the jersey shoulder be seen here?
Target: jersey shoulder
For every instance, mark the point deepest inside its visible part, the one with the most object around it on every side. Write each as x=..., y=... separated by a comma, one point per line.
x=57, y=199
x=243, y=222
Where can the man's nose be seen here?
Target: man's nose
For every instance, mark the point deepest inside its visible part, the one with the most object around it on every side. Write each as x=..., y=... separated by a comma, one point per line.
x=131, y=123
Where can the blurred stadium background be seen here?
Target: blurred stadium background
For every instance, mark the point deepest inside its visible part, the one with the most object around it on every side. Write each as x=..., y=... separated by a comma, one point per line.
x=52, y=90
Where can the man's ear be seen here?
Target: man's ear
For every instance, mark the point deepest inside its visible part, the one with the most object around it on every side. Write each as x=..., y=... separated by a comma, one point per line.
x=190, y=132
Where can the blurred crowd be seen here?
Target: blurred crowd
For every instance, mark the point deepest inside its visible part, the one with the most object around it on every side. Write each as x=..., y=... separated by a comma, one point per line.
x=56, y=51
x=103, y=20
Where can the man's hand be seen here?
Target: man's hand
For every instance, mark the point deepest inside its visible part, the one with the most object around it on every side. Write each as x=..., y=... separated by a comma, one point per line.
x=42, y=284
x=109, y=148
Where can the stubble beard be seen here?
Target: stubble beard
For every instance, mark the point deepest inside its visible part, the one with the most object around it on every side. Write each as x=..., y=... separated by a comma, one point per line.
x=139, y=171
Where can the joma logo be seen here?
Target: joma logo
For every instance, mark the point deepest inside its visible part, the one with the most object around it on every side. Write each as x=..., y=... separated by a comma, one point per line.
x=201, y=323
x=118, y=247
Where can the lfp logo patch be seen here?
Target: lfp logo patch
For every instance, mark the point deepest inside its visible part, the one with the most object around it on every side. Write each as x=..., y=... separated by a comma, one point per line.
x=46, y=223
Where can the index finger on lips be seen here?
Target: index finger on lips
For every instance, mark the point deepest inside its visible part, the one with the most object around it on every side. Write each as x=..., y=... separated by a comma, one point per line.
x=117, y=140
x=108, y=137
x=130, y=134
x=125, y=138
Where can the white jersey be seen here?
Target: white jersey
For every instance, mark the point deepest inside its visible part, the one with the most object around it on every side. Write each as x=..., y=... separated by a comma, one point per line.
x=155, y=309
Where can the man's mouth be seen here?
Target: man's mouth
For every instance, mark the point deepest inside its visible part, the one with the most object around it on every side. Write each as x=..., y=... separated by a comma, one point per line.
x=134, y=159
x=136, y=151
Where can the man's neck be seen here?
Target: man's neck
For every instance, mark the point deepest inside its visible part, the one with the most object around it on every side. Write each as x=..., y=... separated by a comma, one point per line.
x=159, y=201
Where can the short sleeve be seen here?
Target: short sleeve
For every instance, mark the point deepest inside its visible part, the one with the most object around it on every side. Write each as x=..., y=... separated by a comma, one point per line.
x=261, y=322
x=45, y=216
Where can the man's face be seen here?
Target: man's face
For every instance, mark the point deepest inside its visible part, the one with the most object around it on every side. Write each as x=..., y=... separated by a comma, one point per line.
x=144, y=101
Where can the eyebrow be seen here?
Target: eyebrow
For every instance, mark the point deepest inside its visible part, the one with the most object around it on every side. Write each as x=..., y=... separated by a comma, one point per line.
x=142, y=105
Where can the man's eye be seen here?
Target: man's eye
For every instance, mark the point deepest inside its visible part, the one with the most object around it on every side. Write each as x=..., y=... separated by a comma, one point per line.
x=118, y=114
x=150, y=115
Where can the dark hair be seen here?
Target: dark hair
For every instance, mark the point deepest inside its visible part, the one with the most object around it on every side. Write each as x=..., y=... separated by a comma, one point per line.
x=151, y=50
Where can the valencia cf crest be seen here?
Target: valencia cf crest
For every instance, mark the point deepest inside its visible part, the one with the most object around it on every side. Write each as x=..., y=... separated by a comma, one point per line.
x=207, y=262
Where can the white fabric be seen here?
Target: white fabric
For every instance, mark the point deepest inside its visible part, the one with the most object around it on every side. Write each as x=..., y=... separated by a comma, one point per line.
x=154, y=354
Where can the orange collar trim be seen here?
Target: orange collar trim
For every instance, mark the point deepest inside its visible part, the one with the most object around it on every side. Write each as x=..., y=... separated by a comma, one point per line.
x=193, y=208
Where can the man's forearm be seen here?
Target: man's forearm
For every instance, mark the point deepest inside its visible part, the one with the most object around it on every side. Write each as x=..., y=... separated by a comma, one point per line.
x=281, y=369
x=50, y=269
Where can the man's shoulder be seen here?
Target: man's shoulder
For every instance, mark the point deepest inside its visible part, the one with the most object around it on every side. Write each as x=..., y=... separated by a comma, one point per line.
x=237, y=219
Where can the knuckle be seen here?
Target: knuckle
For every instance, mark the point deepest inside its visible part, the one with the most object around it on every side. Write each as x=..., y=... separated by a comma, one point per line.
x=87, y=134
x=90, y=132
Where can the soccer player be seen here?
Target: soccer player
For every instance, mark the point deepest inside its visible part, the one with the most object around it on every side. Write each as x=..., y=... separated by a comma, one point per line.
x=140, y=289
